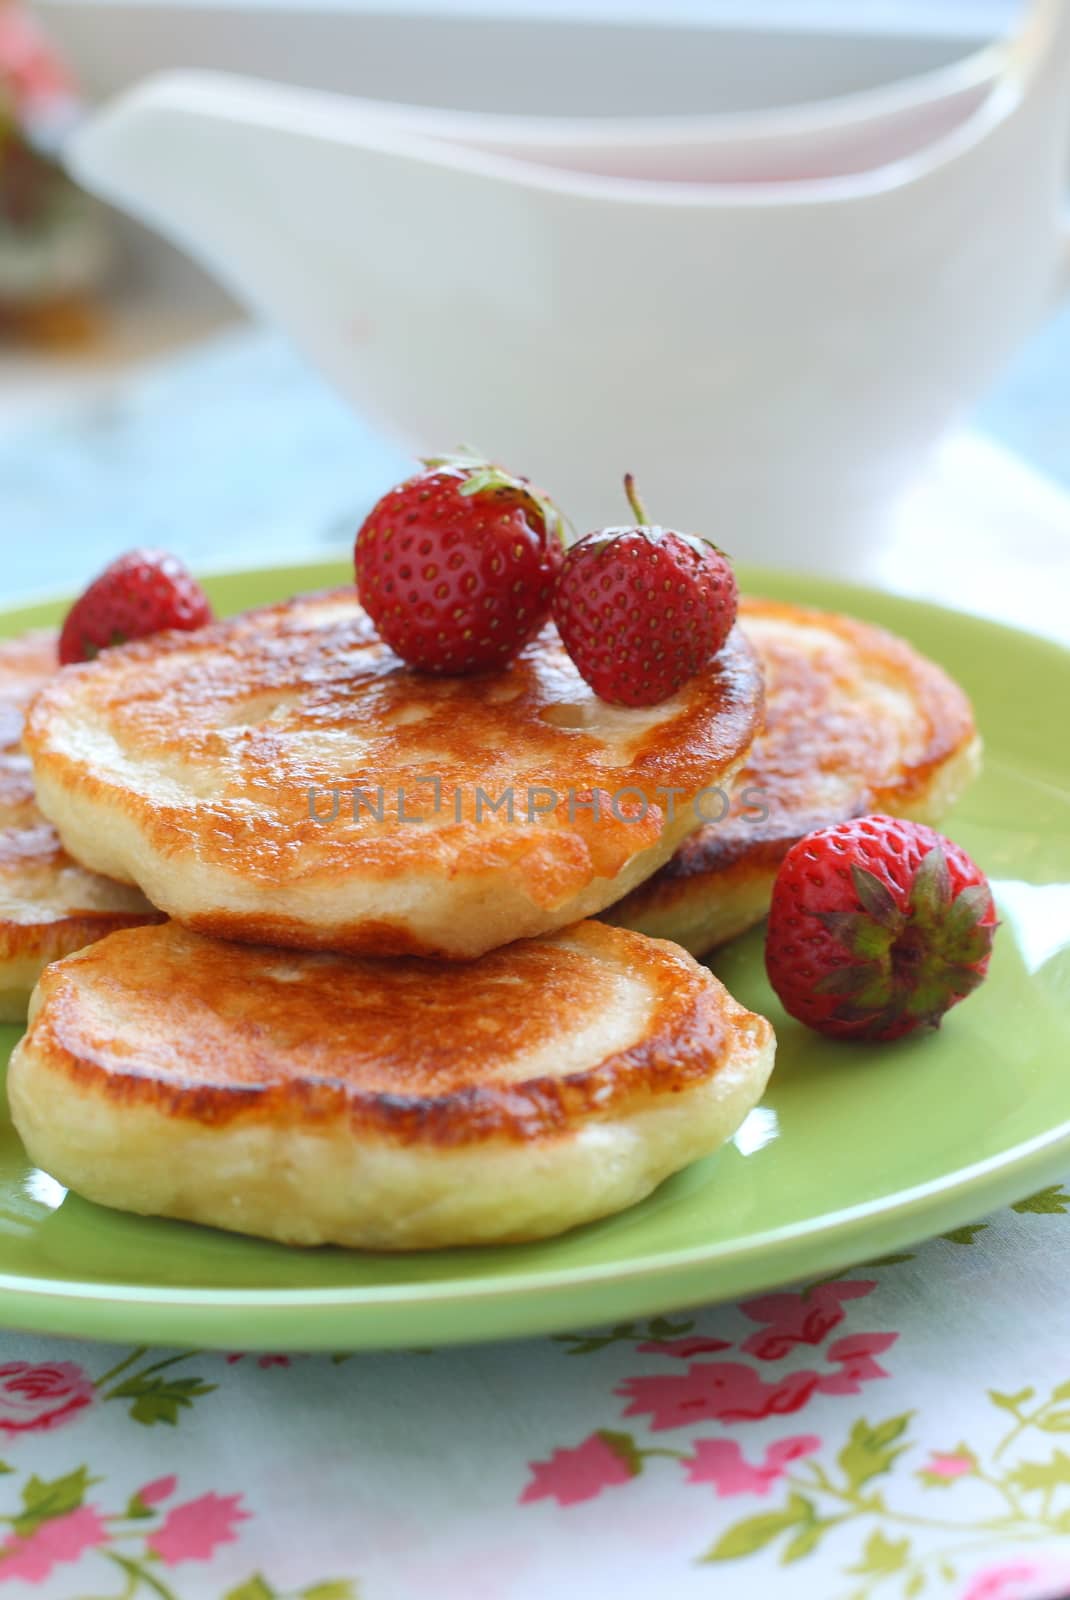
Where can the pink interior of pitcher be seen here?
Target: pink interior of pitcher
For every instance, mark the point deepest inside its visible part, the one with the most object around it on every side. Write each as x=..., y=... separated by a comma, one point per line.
x=836, y=150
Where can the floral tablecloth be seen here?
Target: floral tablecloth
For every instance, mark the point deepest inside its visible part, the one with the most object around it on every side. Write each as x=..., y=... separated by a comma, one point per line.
x=901, y=1430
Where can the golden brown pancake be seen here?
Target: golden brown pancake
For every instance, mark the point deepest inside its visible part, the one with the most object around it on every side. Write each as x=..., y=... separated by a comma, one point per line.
x=856, y=721
x=49, y=905
x=391, y=1105
x=282, y=777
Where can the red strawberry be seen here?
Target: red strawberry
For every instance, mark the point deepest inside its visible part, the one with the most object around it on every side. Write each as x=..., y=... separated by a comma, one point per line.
x=877, y=927
x=143, y=592
x=456, y=567
x=641, y=610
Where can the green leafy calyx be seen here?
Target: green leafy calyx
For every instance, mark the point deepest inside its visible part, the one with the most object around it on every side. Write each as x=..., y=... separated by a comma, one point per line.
x=908, y=965
x=484, y=477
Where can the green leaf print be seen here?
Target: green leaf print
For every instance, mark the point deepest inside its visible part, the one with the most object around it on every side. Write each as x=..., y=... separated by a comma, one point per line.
x=871, y=1450
x=43, y=1499
x=158, y=1399
x=1055, y=1422
x=966, y=1234
x=1053, y=1201
x=334, y=1589
x=881, y=1555
x=1030, y=1475
x=254, y=1588
x=808, y=1538
x=1011, y=1402
x=656, y=1331
x=665, y=1328
x=754, y=1533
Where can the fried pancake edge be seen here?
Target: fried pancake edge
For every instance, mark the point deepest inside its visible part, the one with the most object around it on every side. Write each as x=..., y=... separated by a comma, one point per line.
x=404, y=896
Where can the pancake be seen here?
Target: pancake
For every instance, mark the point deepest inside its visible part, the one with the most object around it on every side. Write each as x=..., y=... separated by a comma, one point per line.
x=389, y=1105
x=856, y=721
x=191, y=763
x=49, y=905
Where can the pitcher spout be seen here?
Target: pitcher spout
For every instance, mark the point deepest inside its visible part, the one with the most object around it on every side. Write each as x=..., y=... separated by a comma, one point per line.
x=256, y=180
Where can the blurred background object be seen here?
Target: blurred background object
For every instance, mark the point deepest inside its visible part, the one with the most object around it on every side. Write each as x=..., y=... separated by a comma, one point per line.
x=553, y=58
x=533, y=57
x=239, y=452
x=54, y=246
x=771, y=346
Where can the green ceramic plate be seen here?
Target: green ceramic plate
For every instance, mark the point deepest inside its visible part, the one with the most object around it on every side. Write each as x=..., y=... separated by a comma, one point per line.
x=855, y=1151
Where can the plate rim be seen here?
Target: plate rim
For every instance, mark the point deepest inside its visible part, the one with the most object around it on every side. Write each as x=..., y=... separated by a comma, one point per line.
x=982, y=1176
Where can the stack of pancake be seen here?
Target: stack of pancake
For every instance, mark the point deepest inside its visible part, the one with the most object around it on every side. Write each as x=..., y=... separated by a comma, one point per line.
x=49, y=905
x=379, y=1015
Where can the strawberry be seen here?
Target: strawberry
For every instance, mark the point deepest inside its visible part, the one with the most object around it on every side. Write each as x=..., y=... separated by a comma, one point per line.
x=877, y=927
x=142, y=592
x=641, y=610
x=456, y=566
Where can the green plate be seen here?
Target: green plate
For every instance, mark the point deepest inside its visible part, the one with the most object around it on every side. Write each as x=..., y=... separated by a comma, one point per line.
x=855, y=1151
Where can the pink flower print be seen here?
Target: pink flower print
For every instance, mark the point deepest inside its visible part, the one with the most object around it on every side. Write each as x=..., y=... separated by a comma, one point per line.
x=855, y=1358
x=150, y=1494
x=194, y=1530
x=34, y=1398
x=725, y=1390
x=721, y=1462
x=1000, y=1583
x=600, y=1462
x=796, y=1319
x=261, y=1361
x=67, y=1538
x=946, y=1467
x=692, y=1344
x=1010, y=1580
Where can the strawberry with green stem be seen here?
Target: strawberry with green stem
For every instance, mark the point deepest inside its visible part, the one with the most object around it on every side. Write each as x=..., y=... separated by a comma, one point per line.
x=642, y=610
x=456, y=566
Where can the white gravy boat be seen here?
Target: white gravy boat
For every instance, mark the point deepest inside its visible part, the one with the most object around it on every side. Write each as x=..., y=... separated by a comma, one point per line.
x=773, y=360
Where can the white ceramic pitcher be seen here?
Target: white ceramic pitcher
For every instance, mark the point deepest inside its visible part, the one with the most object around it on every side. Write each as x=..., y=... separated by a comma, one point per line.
x=773, y=361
